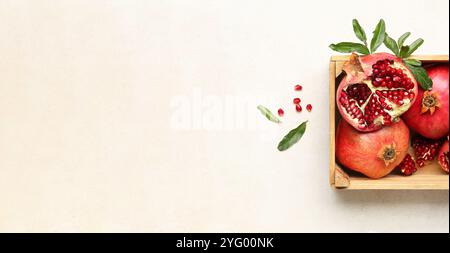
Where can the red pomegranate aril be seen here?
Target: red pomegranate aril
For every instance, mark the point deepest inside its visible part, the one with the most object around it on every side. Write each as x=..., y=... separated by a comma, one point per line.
x=298, y=87
x=280, y=112
x=360, y=92
x=309, y=107
x=407, y=166
x=444, y=157
x=425, y=150
x=298, y=108
x=297, y=101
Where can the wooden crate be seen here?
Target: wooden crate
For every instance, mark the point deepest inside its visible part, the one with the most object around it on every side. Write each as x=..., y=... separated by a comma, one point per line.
x=430, y=177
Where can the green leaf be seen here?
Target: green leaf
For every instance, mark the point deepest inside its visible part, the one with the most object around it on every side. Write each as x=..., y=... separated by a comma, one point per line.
x=403, y=51
x=421, y=76
x=350, y=47
x=268, y=114
x=391, y=44
x=292, y=137
x=402, y=39
x=359, y=32
x=413, y=62
x=414, y=46
x=378, y=36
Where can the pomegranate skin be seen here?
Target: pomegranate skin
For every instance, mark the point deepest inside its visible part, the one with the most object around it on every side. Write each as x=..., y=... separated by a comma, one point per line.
x=361, y=75
x=436, y=125
x=366, y=152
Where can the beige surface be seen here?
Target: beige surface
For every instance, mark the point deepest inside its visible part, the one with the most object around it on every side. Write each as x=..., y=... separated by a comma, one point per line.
x=92, y=134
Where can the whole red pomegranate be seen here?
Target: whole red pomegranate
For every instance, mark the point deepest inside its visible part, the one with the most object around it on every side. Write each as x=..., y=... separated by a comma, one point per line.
x=443, y=157
x=373, y=154
x=376, y=90
x=428, y=115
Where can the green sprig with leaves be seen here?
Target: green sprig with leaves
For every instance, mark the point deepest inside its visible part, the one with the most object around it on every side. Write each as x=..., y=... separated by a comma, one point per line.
x=399, y=48
x=363, y=48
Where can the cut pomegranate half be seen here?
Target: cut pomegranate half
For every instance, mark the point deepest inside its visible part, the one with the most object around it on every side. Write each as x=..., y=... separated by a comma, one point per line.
x=376, y=90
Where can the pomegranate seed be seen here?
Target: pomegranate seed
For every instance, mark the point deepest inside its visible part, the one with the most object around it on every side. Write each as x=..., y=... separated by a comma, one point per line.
x=407, y=166
x=297, y=101
x=309, y=107
x=425, y=150
x=280, y=112
x=298, y=87
x=298, y=108
x=443, y=158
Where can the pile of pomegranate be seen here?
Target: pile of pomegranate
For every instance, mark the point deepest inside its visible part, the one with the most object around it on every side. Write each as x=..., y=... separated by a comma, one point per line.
x=388, y=121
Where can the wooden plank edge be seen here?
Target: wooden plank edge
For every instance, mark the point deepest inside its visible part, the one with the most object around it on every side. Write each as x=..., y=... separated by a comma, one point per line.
x=332, y=161
x=432, y=182
x=423, y=187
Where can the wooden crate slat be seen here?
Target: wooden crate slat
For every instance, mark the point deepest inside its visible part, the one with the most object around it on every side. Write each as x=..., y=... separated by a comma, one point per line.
x=339, y=67
x=332, y=117
x=341, y=179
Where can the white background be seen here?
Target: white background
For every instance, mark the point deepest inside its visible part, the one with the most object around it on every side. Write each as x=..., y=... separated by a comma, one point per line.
x=87, y=135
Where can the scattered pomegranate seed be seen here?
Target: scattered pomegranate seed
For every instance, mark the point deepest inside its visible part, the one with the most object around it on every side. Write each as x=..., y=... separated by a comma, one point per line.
x=297, y=101
x=309, y=107
x=298, y=108
x=298, y=87
x=280, y=112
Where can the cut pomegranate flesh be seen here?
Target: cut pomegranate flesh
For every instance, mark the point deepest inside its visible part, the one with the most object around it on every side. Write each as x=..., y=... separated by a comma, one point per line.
x=425, y=150
x=444, y=157
x=407, y=166
x=444, y=161
x=376, y=94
